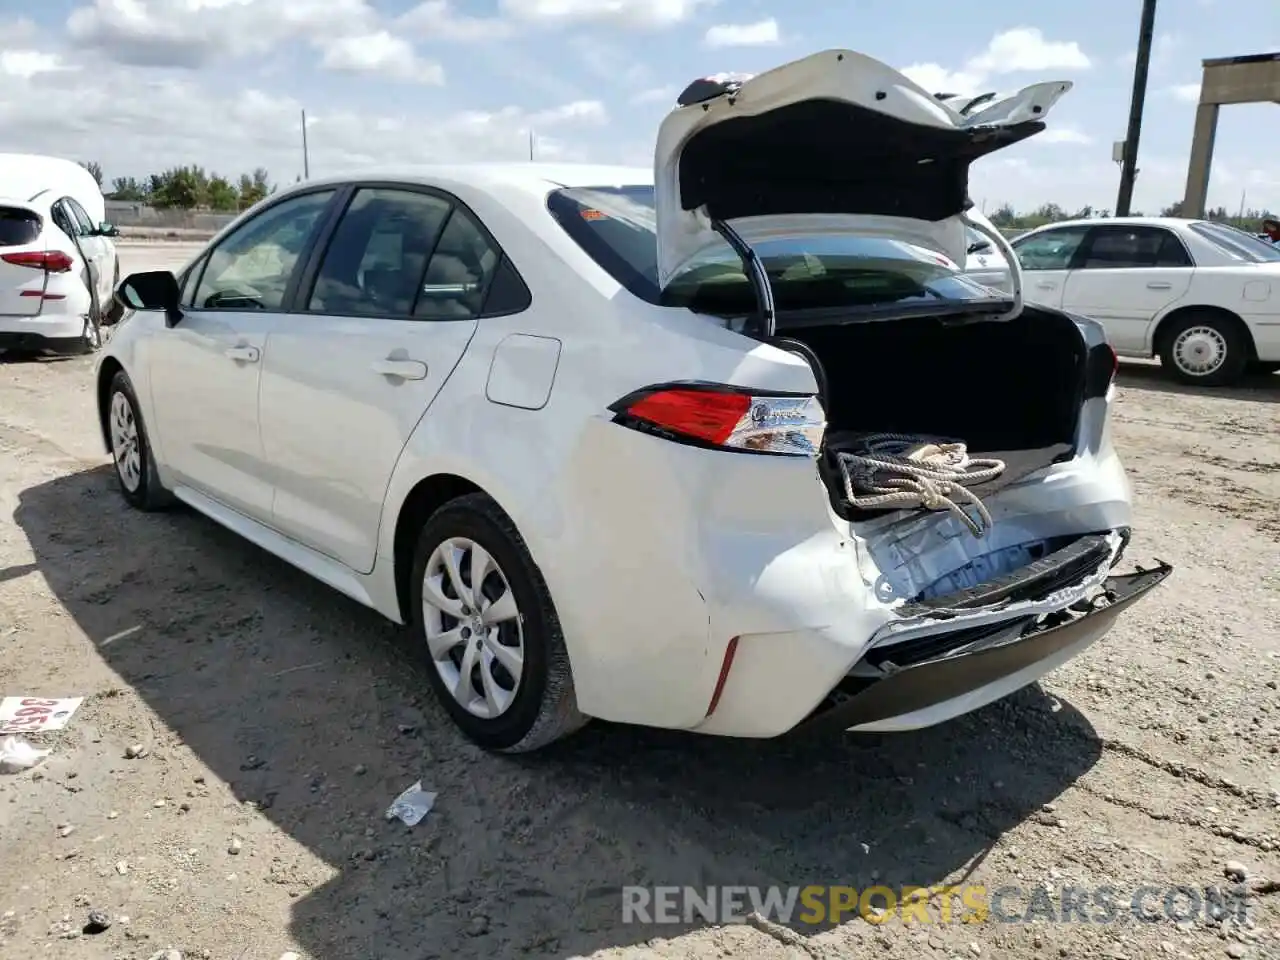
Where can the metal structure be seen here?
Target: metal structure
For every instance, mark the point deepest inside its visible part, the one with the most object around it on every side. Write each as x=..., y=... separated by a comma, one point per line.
x=1251, y=79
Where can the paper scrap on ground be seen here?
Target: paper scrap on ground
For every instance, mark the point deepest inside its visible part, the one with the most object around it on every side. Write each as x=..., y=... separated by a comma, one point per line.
x=36, y=714
x=17, y=755
x=412, y=805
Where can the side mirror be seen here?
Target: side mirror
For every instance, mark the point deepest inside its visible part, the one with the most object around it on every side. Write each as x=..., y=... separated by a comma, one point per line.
x=979, y=246
x=106, y=229
x=152, y=290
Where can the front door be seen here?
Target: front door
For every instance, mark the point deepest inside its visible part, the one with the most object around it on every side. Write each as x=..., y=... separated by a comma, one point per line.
x=349, y=375
x=205, y=370
x=1046, y=258
x=95, y=248
x=1125, y=276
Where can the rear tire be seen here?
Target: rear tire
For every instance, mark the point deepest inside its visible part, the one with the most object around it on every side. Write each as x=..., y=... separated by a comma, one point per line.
x=135, y=466
x=497, y=662
x=1205, y=349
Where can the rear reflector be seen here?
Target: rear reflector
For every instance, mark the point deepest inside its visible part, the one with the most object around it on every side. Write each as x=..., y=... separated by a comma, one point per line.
x=51, y=261
x=725, y=667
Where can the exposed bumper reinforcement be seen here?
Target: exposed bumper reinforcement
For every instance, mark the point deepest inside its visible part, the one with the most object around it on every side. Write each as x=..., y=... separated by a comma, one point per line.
x=919, y=686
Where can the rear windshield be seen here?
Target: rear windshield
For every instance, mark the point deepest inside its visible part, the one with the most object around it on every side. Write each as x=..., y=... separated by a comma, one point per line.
x=615, y=226
x=18, y=227
x=1237, y=244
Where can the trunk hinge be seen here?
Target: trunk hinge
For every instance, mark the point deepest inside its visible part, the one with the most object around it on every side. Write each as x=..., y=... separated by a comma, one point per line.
x=754, y=268
x=1011, y=258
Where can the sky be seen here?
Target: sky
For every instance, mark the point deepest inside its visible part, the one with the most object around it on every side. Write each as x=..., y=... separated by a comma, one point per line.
x=141, y=85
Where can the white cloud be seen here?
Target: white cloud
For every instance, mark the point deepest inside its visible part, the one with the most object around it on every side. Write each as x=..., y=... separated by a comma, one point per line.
x=25, y=64
x=1186, y=92
x=135, y=122
x=437, y=20
x=1064, y=134
x=758, y=34
x=641, y=14
x=1019, y=50
x=380, y=53
x=1025, y=49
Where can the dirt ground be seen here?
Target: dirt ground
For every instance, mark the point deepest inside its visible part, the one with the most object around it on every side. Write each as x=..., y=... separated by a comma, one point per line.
x=278, y=720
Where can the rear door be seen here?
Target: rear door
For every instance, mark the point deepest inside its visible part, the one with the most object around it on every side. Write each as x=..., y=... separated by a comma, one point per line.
x=1124, y=277
x=383, y=316
x=95, y=248
x=1046, y=257
x=22, y=278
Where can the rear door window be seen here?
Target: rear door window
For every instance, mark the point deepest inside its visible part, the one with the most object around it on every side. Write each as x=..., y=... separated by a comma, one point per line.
x=1050, y=250
x=18, y=227
x=1125, y=247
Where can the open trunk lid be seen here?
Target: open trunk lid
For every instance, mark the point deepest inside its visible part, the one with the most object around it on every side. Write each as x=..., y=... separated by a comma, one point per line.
x=22, y=274
x=834, y=143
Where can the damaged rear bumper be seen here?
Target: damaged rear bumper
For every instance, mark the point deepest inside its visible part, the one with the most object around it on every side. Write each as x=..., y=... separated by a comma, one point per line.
x=922, y=686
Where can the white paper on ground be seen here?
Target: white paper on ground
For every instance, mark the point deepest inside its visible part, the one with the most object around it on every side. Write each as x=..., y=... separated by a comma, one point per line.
x=17, y=755
x=36, y=714
x=412, y=805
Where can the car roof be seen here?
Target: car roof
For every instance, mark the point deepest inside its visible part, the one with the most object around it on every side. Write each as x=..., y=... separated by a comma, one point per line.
x=533, y=177
x=1119, y=222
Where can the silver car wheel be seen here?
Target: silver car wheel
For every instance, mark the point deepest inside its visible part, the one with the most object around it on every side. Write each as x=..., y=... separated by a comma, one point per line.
x=125, y=442
x=1199, y=351
x=474, y=629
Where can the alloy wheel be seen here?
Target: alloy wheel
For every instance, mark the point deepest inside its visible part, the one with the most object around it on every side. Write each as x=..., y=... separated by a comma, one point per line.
x=125, y=449
x=474, y=628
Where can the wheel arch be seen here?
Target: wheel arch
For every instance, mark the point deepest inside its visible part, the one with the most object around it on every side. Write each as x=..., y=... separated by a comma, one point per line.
x=426, y=497
x=1167, y=322
x=106, y=373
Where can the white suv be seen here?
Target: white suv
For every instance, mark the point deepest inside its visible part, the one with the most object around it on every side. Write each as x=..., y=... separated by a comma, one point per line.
x=58, y=269
x=607, y=439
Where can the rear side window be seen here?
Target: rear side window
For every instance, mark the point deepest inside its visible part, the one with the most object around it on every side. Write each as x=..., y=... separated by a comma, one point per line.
x=1118, y=248
x=1050, y=250
x=18, y=227
x=617, y=228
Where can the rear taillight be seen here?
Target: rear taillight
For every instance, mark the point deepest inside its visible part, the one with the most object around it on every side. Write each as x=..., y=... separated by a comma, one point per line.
x=726, y=418
x=50, y=261
x=1101, y=367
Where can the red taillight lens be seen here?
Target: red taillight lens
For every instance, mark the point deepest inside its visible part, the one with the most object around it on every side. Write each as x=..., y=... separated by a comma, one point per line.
x=700, y=414
x=728, y=418
x=51, y=261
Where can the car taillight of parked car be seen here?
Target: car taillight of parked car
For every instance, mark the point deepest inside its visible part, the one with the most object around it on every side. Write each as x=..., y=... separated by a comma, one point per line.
x=50, y=261
x=722, y=417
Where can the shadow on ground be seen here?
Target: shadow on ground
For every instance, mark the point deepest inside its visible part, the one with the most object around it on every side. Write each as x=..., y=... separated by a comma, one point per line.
x=315, y=709
x=1258, y=388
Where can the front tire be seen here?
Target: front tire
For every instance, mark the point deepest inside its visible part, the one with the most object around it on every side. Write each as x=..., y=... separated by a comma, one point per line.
x=1264, y=368
x=1206, y=350
x=484, y=615
x=131, y=450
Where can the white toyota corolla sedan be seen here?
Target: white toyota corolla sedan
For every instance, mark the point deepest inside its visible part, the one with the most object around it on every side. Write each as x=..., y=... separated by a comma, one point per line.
x=731, y=446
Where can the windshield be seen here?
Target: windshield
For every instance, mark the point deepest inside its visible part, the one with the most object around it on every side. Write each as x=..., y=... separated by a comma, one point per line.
x=1236, y=243
x=616, y=227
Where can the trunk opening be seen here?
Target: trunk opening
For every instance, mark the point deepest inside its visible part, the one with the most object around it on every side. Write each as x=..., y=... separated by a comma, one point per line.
x=1009, y=390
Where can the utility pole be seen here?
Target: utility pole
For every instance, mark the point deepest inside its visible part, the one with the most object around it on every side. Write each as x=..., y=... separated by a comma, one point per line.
x=306, y=158
x=1129, y=166
x=531, y=145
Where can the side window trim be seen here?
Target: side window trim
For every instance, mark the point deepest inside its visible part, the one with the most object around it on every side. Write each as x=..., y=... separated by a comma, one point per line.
x=203, y=263
x=299, y=295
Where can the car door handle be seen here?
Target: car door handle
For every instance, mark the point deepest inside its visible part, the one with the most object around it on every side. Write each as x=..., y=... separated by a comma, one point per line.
x=403, y=369
x=243, y=353
x=1047, y=285
x=1159, y=285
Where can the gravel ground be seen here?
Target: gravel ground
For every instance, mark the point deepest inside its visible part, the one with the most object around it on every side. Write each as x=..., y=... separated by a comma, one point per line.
x=220, y=793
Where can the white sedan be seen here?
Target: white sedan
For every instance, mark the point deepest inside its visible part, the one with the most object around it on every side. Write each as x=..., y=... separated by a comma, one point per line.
x=1202, y=296
x=611, y=441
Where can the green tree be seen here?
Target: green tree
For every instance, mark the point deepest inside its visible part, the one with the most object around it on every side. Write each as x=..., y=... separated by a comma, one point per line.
x=222, y=195
x=127, y=188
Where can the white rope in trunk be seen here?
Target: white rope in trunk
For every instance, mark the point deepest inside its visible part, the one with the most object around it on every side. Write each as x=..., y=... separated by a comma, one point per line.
x=901, y=471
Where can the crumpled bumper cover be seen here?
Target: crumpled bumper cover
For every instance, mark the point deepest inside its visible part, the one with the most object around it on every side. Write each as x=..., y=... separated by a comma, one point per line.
x=1001, y=652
